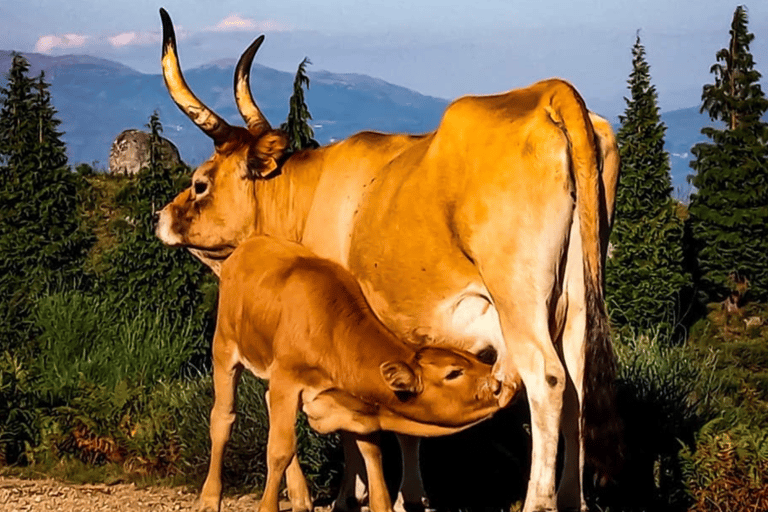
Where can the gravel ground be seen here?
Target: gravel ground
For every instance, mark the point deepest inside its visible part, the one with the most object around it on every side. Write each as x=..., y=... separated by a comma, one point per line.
x=18, y=495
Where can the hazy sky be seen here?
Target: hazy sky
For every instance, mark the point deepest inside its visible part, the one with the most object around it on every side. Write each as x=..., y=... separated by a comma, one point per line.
x=443, y=48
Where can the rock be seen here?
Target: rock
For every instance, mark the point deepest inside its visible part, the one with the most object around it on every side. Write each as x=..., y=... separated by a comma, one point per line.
x=130, y=152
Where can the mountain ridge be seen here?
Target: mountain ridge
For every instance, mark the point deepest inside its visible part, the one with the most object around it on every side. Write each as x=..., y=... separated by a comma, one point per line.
x=98, y=98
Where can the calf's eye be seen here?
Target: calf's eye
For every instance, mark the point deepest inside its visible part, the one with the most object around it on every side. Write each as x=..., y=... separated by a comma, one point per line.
x=200, y=187
x=454, y=374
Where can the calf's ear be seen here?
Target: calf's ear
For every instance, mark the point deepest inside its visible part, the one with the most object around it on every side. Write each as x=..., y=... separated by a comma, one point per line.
x=265, y=154
x=400, y=377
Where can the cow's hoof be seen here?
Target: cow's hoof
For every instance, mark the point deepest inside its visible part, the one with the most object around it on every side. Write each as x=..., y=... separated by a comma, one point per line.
x=348, y=504
x=203, y=505
x=422, y=506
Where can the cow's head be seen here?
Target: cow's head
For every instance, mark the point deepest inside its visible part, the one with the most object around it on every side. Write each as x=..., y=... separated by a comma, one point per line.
x=447, y=387
x=218, y=210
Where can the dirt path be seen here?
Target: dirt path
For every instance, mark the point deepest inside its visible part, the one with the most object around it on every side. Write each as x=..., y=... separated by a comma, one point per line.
x=18, y=495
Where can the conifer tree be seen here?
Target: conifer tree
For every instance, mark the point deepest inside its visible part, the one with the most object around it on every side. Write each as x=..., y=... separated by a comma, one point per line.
x=646, y=283
x=42, y=240
x=300, y=133
x=140, y=270
x=729, y=210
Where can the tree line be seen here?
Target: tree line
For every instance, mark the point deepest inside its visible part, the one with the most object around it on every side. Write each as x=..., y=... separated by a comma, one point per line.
x=669, y=260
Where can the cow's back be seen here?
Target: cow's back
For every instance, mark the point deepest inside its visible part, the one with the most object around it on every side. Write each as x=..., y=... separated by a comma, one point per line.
x=414, y=239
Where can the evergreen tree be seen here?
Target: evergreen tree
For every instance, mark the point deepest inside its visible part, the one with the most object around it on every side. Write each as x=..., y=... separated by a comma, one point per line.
x=42, y=242
x=729, y=211
x=300, y=133
x=646, y=282
x=140, y=270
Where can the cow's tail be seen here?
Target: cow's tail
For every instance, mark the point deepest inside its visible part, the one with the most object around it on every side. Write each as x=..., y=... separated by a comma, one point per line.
x=600, y=425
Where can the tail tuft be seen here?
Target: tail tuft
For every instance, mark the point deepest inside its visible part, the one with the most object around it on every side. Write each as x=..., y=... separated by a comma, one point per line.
x=601, y=426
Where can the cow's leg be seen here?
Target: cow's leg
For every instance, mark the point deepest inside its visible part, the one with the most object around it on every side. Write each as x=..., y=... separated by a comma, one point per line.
x=520, y=262
x=225, y=377
x=354, y=483
x=281, y=441
x=544, y=378
x=570, y=493
x=411, y=497
x=370, y=449
x=531, y=352
x=295, y=482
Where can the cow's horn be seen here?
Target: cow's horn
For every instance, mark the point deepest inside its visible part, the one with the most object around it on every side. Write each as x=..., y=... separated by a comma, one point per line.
x=208, y=121
x=253, y=117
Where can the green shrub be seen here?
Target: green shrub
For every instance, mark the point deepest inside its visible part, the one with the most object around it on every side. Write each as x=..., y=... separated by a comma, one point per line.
x=17, y=409
x=161, y=430
x=660, y=401
x=104, y=340
x=727, y=469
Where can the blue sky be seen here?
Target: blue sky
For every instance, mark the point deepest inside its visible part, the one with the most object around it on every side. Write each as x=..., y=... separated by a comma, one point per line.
x=443, y=48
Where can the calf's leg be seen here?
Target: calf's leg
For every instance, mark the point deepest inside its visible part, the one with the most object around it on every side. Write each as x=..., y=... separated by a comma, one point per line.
x=298, y=492
x=370, y=449
x=295, y=482
x=281, y=441
x=225, y=378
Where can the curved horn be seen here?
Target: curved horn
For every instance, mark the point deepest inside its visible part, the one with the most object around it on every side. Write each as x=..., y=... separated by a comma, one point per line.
x=213, y=125
x=253, y=117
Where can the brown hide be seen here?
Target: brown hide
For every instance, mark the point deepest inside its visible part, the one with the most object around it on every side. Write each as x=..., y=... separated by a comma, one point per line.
x=487, y=234
x=303, y=323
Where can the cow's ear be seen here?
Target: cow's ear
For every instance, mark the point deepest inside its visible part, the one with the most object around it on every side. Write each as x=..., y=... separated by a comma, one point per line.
x=400, y=377
x=265, y=155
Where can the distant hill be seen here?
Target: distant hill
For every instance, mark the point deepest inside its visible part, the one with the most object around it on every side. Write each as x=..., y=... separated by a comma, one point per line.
x=683, y=132
x=97, y=99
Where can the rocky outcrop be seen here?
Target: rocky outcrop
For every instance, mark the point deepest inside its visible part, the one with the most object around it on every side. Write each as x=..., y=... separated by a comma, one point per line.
x=130, y=152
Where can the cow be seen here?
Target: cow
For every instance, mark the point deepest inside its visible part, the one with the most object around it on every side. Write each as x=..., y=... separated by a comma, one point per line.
x=302, y=323
x=489, y=233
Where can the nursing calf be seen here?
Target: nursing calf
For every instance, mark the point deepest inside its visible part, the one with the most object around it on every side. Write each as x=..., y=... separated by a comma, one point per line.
x=302, y=322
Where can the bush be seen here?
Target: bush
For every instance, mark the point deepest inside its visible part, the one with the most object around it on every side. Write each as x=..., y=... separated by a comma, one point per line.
x=104, y=340
x=727, y=469
x=17, y=409
x=663, y=398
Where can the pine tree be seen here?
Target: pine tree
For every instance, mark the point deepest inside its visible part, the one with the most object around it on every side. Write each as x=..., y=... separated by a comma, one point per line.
x=729, y=211
x=300, y=133
x=42, y=241
x=646, y=282
x=140, y=270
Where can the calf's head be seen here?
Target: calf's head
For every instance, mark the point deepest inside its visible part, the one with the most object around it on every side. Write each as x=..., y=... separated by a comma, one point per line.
x=446, y=387
x=218, y=210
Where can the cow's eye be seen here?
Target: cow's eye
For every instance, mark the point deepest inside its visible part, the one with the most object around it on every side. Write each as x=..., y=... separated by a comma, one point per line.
x=200, y=187
x=454, y=374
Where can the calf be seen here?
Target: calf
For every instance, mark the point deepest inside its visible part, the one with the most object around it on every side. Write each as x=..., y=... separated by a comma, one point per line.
x=302, y=322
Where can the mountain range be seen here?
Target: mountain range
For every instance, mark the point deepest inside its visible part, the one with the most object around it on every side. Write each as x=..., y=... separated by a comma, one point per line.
x=96, y=99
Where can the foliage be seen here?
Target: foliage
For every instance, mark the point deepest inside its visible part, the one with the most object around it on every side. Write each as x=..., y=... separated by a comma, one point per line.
x=661, y=405
x=104, y=340
x=42, y=243
x=161, y=430
x=300, y=133
x=727, y=469
x=139, y=267
x=646, y=283
x=729, y=210
x=17, y=415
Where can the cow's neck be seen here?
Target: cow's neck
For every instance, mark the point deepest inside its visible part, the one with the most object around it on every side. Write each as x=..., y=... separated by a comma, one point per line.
x=283, y=202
